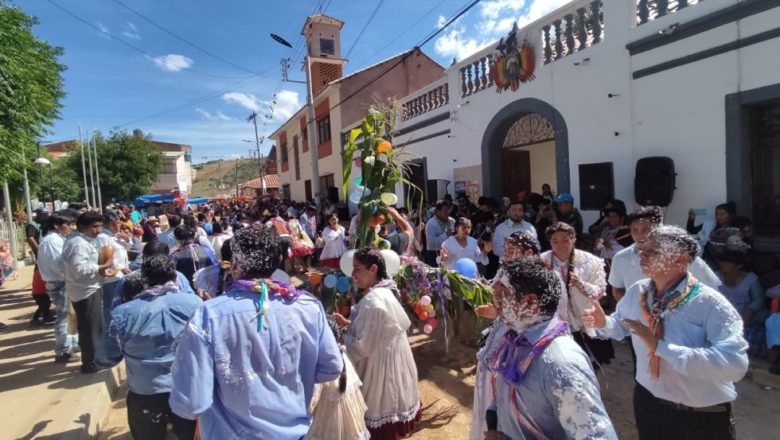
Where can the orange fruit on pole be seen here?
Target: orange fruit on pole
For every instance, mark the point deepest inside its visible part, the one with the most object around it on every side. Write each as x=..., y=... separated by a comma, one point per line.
x=383, y=147
x=315, y=279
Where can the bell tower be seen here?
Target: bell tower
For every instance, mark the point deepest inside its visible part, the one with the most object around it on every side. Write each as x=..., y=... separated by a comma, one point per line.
x=323, y=42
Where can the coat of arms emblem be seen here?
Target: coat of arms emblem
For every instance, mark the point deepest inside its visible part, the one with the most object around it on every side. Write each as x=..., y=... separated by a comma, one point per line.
x=513, y=64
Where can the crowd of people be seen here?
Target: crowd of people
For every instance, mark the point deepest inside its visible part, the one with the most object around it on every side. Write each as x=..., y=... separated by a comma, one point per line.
x=218, y=342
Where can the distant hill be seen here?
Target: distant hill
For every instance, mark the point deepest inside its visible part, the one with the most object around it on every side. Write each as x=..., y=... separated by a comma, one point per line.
x=217, y=177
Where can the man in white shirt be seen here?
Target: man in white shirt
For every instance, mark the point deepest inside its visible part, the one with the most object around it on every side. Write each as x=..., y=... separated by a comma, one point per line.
x=625, y=269
x=437, y=230
x=513, y=223
x=51, y=267
x=82, y=284
x=688, y=339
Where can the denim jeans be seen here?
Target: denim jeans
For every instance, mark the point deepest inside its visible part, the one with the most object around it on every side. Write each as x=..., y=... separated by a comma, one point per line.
x=63, y=342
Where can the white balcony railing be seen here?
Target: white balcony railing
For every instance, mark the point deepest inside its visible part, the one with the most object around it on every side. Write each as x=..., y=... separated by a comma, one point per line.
x=432, y=97
x=649, y=10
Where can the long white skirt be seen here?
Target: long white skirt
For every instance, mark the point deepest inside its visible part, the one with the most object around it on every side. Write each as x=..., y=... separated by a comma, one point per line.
x=337, y=415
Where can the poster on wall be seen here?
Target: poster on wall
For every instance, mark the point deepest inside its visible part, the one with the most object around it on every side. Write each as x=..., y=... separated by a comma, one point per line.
x=473, y=191
x=460, y=186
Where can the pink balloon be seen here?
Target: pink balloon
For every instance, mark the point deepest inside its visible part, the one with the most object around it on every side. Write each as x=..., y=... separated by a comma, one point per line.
x=432, y=313
x=425, y=300
x=427, y=329
x=358, y=163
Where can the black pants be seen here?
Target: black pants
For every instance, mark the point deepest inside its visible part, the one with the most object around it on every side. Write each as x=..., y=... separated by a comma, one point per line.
x=659, y=419
x=430, y=258
x=601, y=349
x=44, y=307
x=149, y=415
x=284, y=246
x=89, y=312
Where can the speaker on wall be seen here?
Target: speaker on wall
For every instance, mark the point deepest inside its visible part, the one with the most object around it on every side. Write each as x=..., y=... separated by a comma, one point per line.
x=654, y=181
x=597, y=185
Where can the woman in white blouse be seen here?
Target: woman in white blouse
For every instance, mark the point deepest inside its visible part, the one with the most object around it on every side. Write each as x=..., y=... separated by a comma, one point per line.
x=379, y=349
x=461, y=245
x=333, y=235
x=585, y=279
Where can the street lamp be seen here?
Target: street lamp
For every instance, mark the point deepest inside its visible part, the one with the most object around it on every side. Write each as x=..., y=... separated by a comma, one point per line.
x=43, y=161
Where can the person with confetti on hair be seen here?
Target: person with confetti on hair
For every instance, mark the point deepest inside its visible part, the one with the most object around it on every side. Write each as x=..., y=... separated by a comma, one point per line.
x=542, y=385
x=688, y=341
x=248, y=360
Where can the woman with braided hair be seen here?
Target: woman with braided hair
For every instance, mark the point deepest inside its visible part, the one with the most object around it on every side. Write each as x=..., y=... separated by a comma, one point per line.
x=585, y=280
x=378, y=347
x=337, y=407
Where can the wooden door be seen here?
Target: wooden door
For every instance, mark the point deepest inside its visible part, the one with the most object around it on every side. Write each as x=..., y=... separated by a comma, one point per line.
x=307, y=189
x=517, y=172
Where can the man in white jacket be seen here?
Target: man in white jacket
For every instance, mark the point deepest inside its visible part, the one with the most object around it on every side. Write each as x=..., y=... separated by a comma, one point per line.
x=82, y=284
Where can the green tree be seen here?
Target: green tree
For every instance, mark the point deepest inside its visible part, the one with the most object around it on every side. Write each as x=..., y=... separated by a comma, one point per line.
x=30, y=90
x=128, y=164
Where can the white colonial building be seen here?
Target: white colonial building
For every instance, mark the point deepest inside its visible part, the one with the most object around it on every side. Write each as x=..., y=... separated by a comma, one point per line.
x=616, y=81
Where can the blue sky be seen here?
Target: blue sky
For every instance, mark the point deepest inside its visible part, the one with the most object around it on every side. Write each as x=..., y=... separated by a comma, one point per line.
x=181, y=94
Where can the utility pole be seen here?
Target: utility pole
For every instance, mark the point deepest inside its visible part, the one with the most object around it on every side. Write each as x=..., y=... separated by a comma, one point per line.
x=97, y=174
x=91, y=176
x=237, y=193
x=312, y=130
x=27, y=203
x=253, y=118
x=10, y=224
x=83, y=167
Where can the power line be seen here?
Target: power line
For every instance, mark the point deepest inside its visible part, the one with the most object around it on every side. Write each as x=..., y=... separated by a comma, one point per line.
x=202, y=98
x=365, y=26
x=131, y=45
x=182, y=39
x=419, y=20
x=403, y=58
x=425, y=41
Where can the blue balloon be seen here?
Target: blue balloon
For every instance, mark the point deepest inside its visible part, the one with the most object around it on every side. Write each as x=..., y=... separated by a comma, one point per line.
x=342, y=285
x=330, y=281
x=466, y=267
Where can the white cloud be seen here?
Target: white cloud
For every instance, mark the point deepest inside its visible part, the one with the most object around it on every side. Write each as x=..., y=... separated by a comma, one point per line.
x=131, y=31
x=104, y=32
x=246, y=100
x=539, y=9
x=492, y=10
x=223, y=117
x=496, y=19
x=204, y=113
x=172, y=62
x=455, y=44
x=287, y=103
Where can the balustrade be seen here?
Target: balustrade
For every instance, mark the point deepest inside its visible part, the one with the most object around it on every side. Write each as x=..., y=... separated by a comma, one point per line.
x=575, y=31
x=476, y=76
x=649, y=10
x=436, y=97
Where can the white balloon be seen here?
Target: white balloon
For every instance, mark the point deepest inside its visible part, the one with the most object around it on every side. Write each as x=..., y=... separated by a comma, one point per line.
x=389, y=198
x=357, y=193
x=425, y=300
x=392, y=262
x=346, y=262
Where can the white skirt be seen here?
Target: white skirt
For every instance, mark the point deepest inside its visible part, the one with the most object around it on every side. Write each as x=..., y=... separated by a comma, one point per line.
x=337, y=415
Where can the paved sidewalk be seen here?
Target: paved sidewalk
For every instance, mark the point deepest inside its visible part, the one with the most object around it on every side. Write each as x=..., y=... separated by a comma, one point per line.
x=40, y=399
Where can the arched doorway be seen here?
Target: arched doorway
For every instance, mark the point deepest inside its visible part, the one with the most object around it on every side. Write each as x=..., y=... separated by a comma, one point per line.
x=525, y=145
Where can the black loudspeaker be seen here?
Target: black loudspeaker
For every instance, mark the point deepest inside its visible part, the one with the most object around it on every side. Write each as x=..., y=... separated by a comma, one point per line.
x=654, y=181
x=597, y=185
x=333, y=194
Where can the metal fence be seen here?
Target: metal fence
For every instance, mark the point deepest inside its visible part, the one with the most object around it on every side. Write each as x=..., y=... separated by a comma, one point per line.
x=17, y=234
